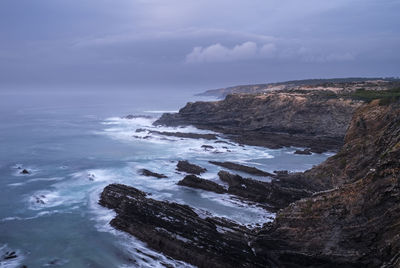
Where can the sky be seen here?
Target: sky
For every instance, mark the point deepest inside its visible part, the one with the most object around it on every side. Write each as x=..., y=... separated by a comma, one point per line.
x=195, y=43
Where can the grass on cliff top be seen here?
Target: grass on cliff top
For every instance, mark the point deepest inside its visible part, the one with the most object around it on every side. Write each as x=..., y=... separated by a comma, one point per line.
x=385, y=96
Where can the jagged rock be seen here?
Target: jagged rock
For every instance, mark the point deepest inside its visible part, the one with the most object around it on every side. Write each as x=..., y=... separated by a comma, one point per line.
x=271, y=195
x=10, y=255
x=199, y=183
x=243, y=168
x=148, y=173
x=177, y=231
x=25, y=172
x=187, y=167
x=355, y=222
x=273, y=120
x=303, y=152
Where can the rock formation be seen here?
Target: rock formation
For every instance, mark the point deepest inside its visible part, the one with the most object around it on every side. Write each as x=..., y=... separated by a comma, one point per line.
x=195, y=182
x=342, y=213
x=273, y=120
x=176, y=230
x=187, y=167
x=148, y=173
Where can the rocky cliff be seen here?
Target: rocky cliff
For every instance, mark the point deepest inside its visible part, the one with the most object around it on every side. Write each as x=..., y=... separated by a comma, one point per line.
x=356, y=223
x=313, y=120
x=349, y=216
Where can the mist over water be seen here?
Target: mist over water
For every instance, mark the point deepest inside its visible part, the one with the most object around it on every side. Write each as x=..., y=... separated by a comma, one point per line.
x=74, y=143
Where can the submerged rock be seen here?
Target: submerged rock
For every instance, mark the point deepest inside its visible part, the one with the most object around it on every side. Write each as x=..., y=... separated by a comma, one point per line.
x=25, y=172
x=148, y=173
x=9, y=255
x=187, y=167
x=207, y=147
x=177, y=231
x=199, y=183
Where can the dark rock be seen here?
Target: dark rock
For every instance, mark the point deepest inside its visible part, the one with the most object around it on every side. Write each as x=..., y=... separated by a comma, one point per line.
x=273, y=120
x=243, y=168
x=148, y=173
x=355, y=221
x=185, y=135
x=272, y=195
x=25, y=172
x=187, y=167
x=303, y=152
x=207, y=147
x=10, y=255
x=177, y=231
x=199, y=183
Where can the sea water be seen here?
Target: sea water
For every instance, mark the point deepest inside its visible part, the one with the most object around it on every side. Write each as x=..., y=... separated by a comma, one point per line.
x=75, y=142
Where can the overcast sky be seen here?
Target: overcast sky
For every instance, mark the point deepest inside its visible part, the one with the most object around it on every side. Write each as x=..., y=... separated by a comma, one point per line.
x=206, y=43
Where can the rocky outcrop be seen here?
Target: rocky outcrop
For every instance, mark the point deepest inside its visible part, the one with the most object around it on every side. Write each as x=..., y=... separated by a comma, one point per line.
x=277, y=119
x=243, y=168
x=177, y=231
x=185, y=135
x=273, y=196
x=356, y=223
x=187, y=167
x=342, y=213
x=148, y=173
x=195, y=182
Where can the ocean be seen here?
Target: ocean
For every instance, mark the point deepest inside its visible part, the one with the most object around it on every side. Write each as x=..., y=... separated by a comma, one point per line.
x=74, y=143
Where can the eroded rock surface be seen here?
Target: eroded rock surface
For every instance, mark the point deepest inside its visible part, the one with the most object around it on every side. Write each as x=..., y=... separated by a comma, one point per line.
x=148, y=173
x=273, y=120
x=195, y=182
x=187, y=167
x=177, y=231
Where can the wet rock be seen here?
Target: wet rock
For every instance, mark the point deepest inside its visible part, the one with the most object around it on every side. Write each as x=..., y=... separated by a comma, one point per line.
x=243, y=168
x=185, y=135
x=195, y=182
x=272, y=195
x=303, y=152
x=10, y=255
x=187, y=167
x=91, y=176
x=25, y=172
x=207, y=147
x=148, y=173
x=177, y=231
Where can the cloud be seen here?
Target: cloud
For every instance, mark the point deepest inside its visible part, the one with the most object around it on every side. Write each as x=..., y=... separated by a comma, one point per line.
x=219, y=53
x=252, y=51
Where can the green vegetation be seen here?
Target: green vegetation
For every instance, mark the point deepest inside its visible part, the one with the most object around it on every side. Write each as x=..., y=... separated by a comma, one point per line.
x=385, y=96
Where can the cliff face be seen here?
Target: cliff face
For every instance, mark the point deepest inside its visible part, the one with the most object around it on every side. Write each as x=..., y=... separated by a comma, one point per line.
x=273, y=119
x=356, y=224
x=348, y=214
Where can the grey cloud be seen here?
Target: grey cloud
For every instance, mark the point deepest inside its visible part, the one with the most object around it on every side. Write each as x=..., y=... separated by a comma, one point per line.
x=191, y=42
